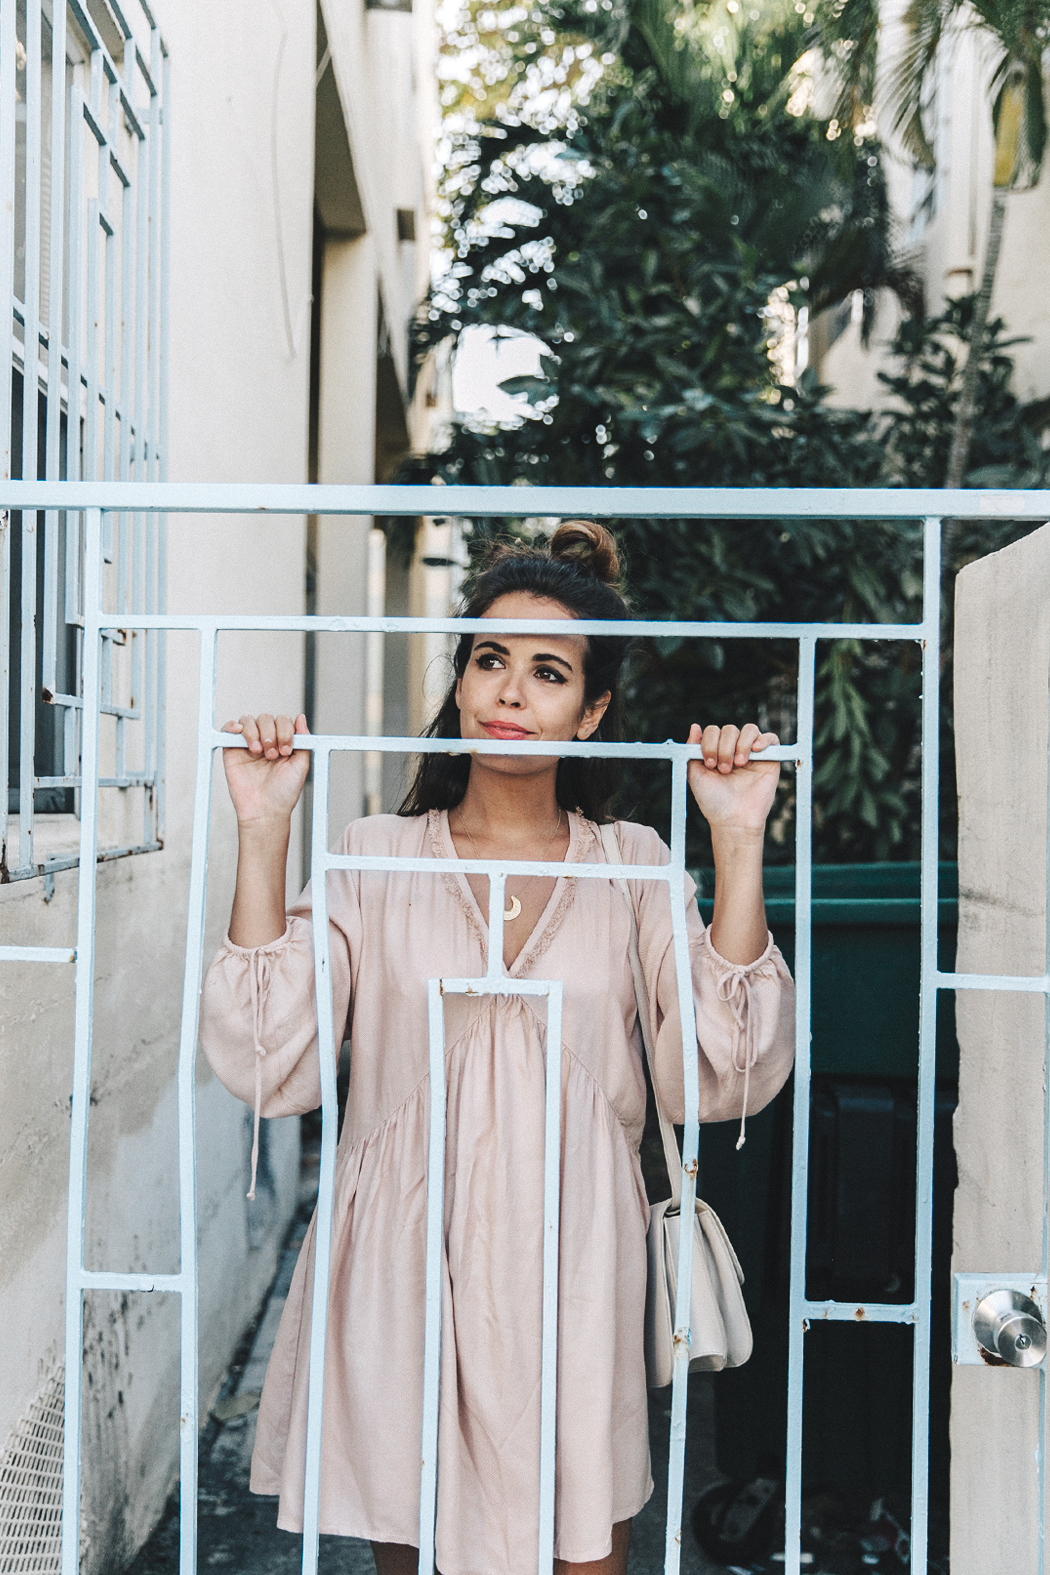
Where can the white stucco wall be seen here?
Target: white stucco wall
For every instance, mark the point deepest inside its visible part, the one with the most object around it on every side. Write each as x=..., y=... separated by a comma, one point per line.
x=948, y=250
x=239, y=398
x=1002, y=648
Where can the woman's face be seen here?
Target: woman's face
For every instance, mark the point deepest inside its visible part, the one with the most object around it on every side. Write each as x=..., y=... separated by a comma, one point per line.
x=525, y=687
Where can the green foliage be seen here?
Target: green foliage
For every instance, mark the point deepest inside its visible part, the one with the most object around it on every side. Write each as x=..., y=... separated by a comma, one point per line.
x=650, y=250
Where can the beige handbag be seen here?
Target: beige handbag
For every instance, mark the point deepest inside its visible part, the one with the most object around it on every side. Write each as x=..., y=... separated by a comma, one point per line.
x=719, y=1328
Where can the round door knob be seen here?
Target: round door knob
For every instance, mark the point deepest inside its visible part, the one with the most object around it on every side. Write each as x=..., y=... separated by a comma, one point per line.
x=1009, y=1327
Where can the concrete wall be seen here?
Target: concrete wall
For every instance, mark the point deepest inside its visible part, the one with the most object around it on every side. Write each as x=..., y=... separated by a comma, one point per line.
x=243, y=406
x=1002, y=649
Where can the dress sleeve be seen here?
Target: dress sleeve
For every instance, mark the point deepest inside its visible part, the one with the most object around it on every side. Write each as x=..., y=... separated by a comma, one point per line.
x=258, y=1021
x=744, y=1012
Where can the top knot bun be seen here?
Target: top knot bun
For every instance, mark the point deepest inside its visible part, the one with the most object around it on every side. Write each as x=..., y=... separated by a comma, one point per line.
x=590, y=545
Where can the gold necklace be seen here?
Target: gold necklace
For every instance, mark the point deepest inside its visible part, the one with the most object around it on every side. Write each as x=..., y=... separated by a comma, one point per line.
x=515, y=904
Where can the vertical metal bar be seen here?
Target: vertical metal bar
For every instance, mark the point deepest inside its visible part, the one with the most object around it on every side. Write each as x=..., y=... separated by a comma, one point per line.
x=27, y=688
x=160, y=116
x=53, y=601
x=165, y=265
x=435, y=1281
x=74, y=304
x=690, y=1157
x=30, y=395
x=150, y=687
x=135, y=416
x=6, y=528
x=153, y=411
x=90, y=461
x=549, y=1330
x=931, y=728
x=56, y=251
x=807, y=652
x=8, y=45
x=1043, y=1441
x=85, y=988
x=109, y=385
x=191, y=990
x=123, y=407
x=142, y=161
x=74, y=300
x=326, y=1052
x=497, y=897
x=374, y=654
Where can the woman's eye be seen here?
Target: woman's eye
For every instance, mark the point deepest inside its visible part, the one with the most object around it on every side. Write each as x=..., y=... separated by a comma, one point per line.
x=550, y=675
x=489, y=662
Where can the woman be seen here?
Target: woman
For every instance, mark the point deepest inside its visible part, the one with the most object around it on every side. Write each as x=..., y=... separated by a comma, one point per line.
x=390, y=933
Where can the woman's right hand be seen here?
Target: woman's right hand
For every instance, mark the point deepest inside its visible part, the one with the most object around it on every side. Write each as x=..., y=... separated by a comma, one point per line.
x=266, y=779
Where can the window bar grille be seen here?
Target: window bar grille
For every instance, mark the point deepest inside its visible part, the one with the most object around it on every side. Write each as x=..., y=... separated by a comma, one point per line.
x=92, y=305
x=370, y=501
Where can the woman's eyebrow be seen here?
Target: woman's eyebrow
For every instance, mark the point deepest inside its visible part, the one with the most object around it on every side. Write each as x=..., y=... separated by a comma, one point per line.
x=540, y=656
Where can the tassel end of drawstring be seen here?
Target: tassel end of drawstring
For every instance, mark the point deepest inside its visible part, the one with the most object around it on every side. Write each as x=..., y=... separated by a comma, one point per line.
x=255, y=1124
x=741, y=1140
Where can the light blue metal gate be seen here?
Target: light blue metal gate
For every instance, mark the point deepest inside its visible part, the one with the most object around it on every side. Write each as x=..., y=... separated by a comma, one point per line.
x=97, y=500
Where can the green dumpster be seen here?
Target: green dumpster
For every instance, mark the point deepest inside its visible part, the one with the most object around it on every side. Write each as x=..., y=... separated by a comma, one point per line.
x=865, y=1023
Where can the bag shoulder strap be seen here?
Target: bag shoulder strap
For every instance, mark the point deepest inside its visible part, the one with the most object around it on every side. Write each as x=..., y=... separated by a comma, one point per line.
x=672, y=1158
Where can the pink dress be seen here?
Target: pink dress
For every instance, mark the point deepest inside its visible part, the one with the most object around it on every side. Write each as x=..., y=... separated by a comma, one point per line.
x=390, y=933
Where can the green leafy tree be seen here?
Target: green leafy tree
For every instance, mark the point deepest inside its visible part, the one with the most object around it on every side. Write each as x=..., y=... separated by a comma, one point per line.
x=644, y=248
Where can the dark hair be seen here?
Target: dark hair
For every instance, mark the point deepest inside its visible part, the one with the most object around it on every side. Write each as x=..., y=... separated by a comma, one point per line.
x=580, y=569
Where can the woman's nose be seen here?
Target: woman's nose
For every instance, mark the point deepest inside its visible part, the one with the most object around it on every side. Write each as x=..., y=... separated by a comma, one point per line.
x=510, y=690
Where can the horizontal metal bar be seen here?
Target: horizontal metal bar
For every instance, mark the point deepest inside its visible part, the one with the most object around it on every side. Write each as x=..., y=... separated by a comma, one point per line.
x=635, y=628
x=392, y=864
x=102, y=1280
x=334, y=743
x=133, y=779
x=494, y=986
x=518, y=502
x=69, y=861
x=1028, y=985
x=859, y=1312
x=46, y=954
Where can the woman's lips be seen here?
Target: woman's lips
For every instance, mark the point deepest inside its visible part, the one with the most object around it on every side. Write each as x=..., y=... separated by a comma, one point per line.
x=505, y=730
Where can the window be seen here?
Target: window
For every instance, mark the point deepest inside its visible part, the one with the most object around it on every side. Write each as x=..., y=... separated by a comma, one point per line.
x=82, y=397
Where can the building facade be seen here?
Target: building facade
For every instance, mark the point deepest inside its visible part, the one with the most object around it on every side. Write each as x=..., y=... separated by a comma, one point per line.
x=941, y=218
x=234, y=205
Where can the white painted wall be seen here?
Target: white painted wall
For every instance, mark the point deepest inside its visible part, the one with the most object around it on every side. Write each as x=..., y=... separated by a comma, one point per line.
x=239, y=387
x=949, y=250
x=1002, y=648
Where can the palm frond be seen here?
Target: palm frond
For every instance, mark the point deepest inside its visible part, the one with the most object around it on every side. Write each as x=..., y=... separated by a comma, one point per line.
x=924, y=25
x=847, y=34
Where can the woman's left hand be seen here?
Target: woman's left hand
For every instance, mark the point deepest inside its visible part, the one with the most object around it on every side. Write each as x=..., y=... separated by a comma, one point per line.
x=732, y=791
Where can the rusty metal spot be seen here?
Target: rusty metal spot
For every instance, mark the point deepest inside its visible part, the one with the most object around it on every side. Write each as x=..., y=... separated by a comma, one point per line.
x=990, y=1359
x=860, y=1315
x=47, y=695
x=691, y=1168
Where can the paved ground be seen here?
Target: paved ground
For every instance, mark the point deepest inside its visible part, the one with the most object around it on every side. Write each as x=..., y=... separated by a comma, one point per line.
x=237, y=1530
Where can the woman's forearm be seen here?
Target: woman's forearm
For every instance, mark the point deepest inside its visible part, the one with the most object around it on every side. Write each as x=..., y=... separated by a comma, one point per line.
x=258, y=903
x=738, y=928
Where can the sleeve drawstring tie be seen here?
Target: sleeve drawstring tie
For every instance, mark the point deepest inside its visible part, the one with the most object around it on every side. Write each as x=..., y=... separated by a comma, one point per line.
x=258, y=979
x=734, y=987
